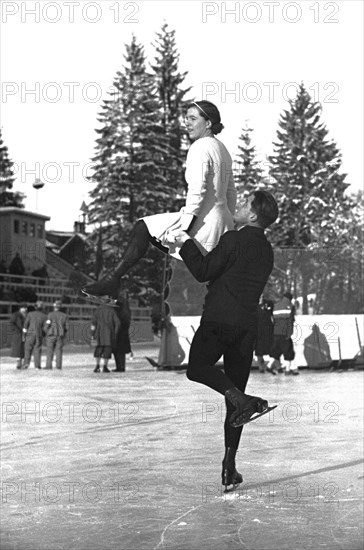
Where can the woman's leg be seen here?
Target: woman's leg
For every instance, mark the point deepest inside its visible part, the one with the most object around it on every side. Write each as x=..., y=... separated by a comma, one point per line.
x=135, y=250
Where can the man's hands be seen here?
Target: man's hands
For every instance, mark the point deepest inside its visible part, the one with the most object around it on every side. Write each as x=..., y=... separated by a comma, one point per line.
x=176, y=236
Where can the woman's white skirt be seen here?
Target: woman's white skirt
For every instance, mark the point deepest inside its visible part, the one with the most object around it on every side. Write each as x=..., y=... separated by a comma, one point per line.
x=206, y=230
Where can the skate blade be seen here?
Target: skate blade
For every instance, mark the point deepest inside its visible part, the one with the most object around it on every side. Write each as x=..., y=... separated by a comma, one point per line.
x=254, y=417
x=100, y=300
x=232, y=487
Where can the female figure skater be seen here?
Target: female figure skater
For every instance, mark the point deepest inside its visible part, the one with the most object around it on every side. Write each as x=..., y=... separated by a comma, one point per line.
x=210, y=202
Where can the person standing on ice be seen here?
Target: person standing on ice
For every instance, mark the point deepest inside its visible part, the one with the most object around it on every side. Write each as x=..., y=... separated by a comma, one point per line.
x=210, y=202
x=237, y=271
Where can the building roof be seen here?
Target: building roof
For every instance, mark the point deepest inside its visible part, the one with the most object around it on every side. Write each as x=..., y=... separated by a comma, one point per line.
x=16, y=210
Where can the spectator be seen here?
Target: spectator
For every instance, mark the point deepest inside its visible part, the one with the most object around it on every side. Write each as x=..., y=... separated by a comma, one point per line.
x=122, y=343
x=56, y=330
x=17, y=341
x=16, y=267
x=105, y=327
x=34, y=331
x=42, y=274
x=265, y=331
x=283, y=314
x=3, y=269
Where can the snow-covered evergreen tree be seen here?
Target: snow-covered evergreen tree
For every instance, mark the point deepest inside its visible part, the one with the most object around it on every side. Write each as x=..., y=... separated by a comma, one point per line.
x=131, y=152
x=171, y=93
x=8, y=197
x=309, y=187
x=248, y=173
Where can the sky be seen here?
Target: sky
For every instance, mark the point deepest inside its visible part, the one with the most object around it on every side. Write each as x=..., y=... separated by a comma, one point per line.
x=59, y=60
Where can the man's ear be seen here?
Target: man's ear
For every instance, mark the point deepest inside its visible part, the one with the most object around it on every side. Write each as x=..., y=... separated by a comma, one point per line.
x=253, y=216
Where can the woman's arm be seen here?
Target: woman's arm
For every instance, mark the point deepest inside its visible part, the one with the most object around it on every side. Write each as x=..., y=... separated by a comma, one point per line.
x=198, y=168
x=231, y=194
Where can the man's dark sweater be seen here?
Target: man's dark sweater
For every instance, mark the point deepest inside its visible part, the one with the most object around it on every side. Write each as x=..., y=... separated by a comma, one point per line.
x=237, y=271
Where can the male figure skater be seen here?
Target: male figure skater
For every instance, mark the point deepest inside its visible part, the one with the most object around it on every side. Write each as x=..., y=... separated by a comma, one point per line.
x=237, y=271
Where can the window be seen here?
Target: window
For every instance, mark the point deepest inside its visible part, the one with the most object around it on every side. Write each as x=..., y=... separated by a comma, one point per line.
x=32, y=230
x=24, y=228
x=16, y=226
x=40, y=231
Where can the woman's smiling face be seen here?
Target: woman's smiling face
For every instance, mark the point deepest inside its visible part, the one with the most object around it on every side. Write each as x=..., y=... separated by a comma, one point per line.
x=197, y=126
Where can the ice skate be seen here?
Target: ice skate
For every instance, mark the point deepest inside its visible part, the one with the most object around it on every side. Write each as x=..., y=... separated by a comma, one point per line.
x=104, y=292
x=251, y=415
x=229, y=475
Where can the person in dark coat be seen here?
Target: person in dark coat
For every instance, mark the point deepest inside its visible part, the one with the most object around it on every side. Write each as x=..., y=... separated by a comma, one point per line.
x=34, y=326
x=16, y=267
x=265, y=331
x=237, y=271
x=104, y=329
x=42, y=274
x=284, y=318
x=122, y=343
x=56, y=330
x=17, y=341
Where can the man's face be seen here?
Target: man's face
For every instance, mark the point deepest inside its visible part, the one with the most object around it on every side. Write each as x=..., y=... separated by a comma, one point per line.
x=243, y=212
x=196, y=125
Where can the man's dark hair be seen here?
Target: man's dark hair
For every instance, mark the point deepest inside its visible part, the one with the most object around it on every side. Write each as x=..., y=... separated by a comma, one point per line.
x=265, y=207
x=288, y=295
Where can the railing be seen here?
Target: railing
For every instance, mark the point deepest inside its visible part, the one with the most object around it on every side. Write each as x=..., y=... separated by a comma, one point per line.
x=30, y=280
x=46, y=290
x=80, y=317
x=80, y=314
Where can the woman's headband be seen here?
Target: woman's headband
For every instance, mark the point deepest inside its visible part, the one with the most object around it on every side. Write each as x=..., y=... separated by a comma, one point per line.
x=201, y=109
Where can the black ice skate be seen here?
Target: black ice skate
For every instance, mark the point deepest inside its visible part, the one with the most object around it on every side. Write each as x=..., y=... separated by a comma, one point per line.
x=104, y=292
x=230, y=477
x=258, y=407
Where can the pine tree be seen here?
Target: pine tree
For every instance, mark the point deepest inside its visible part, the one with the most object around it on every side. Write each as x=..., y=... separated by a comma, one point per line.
x=8, y=198
x=131, y=152
x=308, y=185
x=340, y=270
x=248, y=173
x=169, y=81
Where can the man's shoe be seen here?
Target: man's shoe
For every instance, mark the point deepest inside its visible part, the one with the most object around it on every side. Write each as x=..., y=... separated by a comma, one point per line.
x=229, y=474
x=240, y=401
x=118, y=370
x=255, y=408
x=271, y=371
x=295, y=372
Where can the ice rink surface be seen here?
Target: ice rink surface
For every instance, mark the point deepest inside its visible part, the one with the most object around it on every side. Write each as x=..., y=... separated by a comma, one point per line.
x=132, y=461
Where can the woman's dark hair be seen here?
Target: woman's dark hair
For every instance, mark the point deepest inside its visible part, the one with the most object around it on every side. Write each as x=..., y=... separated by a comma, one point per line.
x=209, y=111
x=265, y=207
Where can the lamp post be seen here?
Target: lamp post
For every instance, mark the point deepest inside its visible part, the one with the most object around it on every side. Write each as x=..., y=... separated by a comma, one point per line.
x=38, y=184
